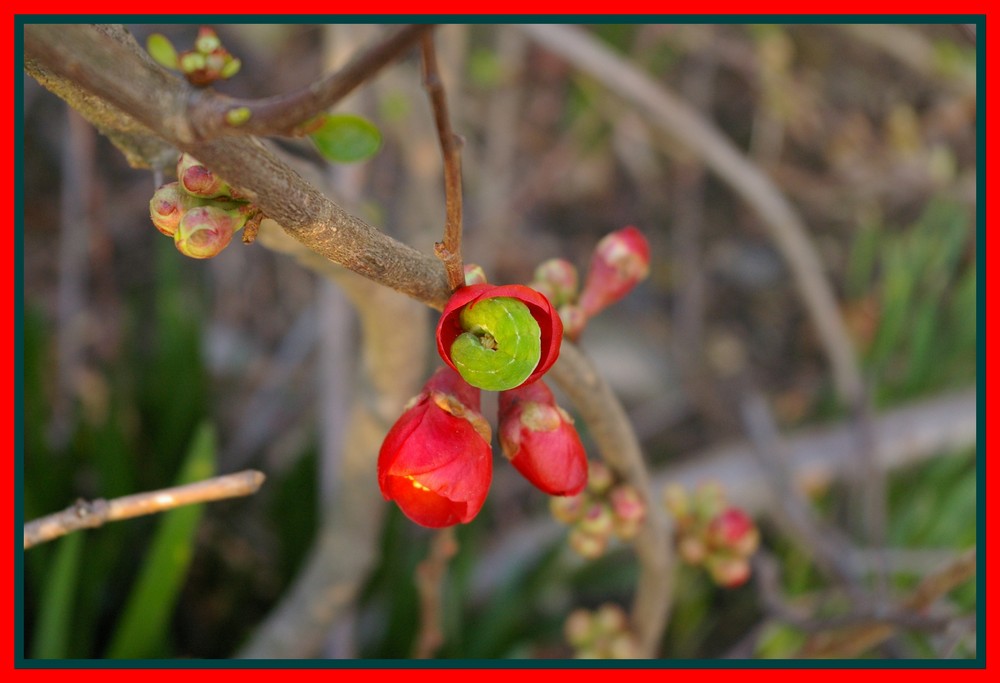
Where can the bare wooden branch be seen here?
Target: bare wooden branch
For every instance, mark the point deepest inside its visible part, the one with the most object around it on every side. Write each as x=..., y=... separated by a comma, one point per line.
x=282, y=114
x=91, y=514
x=609, y=426
x=675, y=117
x=449, y=250
x=430, y=577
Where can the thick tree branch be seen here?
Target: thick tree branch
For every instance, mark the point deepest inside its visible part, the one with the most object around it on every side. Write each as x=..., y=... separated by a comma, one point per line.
x=91, y=514
x=282, y=114
x=113, y=72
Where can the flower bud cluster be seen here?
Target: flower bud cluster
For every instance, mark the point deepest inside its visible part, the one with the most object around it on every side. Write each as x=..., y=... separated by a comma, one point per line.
x=711, y=533
x=207, y=63
x=605, y=509
x=619, y=262
x=601, y=634
x=199, y=211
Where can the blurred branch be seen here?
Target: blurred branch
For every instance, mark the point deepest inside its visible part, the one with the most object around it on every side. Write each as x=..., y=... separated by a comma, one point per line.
x=682, y=122
x=430, y=576
x=608, y=425
x=853, y=641
x=449, y=250
x=91, y=514
x=816, y=457
x=282, y=114
x=83, y=66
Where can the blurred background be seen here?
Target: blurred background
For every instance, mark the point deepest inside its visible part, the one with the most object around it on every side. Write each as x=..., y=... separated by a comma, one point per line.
x=142, y=366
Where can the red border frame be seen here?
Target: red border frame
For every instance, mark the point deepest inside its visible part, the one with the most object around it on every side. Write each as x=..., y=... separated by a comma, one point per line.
x=519, y=9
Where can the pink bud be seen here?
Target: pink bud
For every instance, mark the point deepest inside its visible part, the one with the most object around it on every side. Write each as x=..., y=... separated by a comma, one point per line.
x=620, y=261
x=601, y=478
x=197, y=180
x=597, y=520
x=540, y=440
x=165, y=208
x=727, y=571
x=558, y=280
x=579, y=628
x=474, y=274
x=204, y=231
x=573, y=320
x=588, y=545
x=733, y=530
x=567, y=509
x=692, y=550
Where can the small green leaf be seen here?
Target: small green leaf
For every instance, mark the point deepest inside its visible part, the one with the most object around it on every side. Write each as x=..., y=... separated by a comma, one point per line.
x=238, y=116
x=162, y=50
x=346, y=138
x=230, y=68
x=55, y=621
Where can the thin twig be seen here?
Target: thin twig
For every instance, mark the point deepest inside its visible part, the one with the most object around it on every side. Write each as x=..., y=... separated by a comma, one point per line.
x=430, y=577
x=608, y=425
x=854, y=641
x=283, y=114
x=449, y=250
x=91, y=514
x=679, y=120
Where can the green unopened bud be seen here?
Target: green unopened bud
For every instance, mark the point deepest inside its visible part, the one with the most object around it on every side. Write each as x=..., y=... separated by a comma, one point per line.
x=205, y=231
x=728, y=571
x=692, y=550
x=623, y=646
x=709, y=500
x=567, y=509
x=597, y=519
x=676, y=500
x=587, y=545
x=579, y=628
x=197, y=180
x=474, y=274
x=600, y=478
x=610, y=619
x=191, y=62
x=207, y=40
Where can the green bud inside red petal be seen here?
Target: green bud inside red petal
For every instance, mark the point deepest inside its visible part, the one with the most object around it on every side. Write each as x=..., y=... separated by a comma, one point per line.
x=436, y=461
x=540, y=440
x=620, y=261
x=550, y=325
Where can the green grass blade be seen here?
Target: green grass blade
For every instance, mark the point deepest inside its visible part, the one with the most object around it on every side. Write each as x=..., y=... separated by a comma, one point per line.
x=142, y=630
x=55, y=620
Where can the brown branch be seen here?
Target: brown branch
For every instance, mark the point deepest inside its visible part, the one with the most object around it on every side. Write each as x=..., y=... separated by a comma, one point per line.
x=449, y=250
x=91, y=514
x=430, y=577
x=676, y=118
x=609, y=426
x=282, y=114
x=126, y=81
x=851, y=642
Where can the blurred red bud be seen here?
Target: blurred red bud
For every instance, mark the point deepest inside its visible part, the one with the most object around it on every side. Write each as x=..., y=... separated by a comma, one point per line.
x=619, y=263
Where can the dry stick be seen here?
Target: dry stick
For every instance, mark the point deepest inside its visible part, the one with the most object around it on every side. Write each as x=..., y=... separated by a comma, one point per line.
x=680, y=121
x=284, y=114
x=609, y=427
x=430, y=577
x=450, y=249
x=90, y=514
x=854, y=641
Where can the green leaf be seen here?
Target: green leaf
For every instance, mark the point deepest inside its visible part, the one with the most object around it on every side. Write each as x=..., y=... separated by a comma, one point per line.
x=162, y=50
x=55, y=621
x=143, y=627
x=346, y=138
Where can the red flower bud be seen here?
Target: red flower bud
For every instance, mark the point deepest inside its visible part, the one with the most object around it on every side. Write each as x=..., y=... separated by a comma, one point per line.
x=474, y=274
x=166, y=208
x=539, y=439
x=466, y=299
x=436, y=461
x=620, y=261
x=734, y=530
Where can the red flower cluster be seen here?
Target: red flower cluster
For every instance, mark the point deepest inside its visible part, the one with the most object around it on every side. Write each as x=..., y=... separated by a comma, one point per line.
x=435, y=462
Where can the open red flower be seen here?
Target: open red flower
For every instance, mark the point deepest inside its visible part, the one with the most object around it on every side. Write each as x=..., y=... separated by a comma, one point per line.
x=539, y=439
x=509, y=325
x=436, y=461
x=619, y=263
